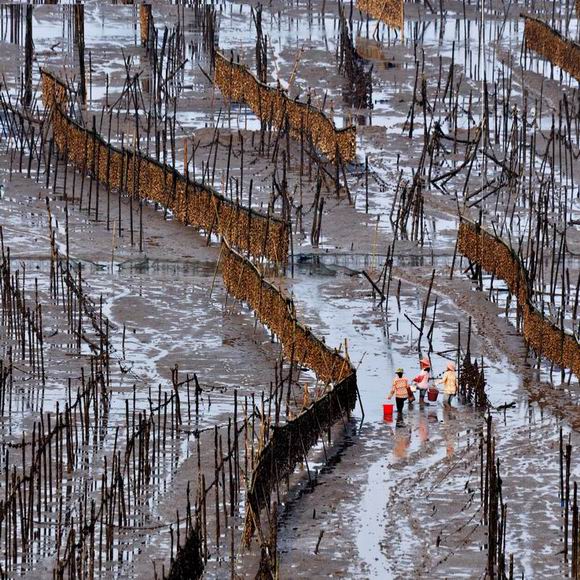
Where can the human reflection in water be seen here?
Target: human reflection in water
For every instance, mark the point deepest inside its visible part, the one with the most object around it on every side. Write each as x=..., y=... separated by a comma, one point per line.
x=423, y=429
x=449, y=442
x=402, y=442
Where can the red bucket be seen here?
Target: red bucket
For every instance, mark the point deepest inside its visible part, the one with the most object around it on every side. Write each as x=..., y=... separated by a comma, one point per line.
x=388, y=411
x=432, y=394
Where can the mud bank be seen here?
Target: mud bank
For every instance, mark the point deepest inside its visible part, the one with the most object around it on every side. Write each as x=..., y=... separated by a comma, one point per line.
x=377, y=499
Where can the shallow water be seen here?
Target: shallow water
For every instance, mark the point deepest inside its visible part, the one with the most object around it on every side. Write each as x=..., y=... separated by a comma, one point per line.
x=164, y=302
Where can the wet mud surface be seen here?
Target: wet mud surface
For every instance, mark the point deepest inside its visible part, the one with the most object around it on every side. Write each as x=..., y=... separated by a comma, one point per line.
x=382, y=499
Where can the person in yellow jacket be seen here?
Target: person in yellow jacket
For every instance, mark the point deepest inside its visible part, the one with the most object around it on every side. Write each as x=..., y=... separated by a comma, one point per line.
x=449, y=382
x=400, y=390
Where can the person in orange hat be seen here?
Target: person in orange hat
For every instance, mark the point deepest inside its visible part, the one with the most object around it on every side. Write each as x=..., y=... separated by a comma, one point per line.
x=400, y=390
x=422, y=379
x=449, y=382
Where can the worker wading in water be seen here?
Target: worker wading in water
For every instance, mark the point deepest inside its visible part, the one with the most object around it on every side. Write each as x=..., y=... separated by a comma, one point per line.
x=449, y=382
x=422, y=379
x=400, y=390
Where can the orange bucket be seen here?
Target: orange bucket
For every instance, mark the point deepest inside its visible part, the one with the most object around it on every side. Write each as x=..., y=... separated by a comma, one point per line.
x=388, y=411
